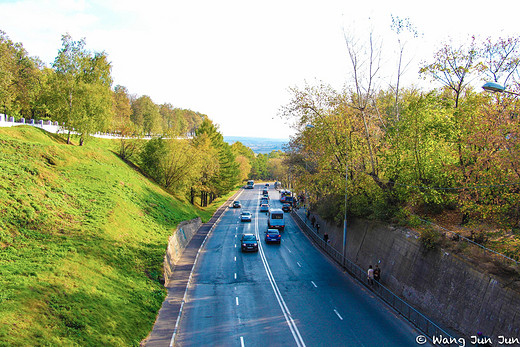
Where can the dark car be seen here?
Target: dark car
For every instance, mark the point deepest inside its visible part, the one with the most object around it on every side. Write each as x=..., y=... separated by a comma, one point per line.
x=236, y=204
x=246, y=216
x=249, y=242
x=286, y=207
x=273, y=235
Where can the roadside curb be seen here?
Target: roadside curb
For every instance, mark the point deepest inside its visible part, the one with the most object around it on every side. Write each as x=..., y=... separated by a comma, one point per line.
x=168, y=317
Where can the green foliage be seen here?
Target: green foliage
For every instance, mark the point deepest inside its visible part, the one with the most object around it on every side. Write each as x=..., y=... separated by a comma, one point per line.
x=430, y=239
x=82, y=242
x=79, y=93
x=221, y=178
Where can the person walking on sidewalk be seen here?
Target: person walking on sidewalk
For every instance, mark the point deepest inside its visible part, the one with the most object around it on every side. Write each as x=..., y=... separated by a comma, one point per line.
x=370, y=275
x=377, y=273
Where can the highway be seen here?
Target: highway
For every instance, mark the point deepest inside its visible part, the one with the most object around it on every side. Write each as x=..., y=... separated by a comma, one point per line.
x=284, y=295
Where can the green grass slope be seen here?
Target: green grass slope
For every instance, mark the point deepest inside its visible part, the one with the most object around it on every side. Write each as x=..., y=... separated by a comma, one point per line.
x=82, y=241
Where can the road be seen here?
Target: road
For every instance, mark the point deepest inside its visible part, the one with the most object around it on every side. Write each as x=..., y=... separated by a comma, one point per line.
x=284, y=295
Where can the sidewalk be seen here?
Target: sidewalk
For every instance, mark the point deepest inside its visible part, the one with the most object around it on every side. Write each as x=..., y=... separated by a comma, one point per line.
x=170, y=312
x=335, y=238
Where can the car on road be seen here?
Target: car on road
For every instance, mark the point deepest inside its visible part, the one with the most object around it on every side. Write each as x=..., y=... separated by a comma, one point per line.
x=273, y=235
x=265, y=192
x=236, y=204
x=249, y=242
x=264, y=208
x=286, y=207
x=264, y=200
x=246, y=216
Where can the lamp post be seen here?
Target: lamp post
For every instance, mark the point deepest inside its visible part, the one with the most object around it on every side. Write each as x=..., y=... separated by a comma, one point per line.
x=310, y=126
x=494, y=87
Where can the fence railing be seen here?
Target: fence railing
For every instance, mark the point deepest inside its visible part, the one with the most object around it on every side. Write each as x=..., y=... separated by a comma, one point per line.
x=425, y=325
x=499, y=257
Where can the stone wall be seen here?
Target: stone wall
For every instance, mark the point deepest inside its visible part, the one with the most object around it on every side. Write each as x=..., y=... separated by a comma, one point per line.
x=441, y=285
x=177, y=242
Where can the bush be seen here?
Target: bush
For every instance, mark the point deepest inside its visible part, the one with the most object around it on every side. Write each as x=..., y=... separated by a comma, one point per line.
x=430, y=239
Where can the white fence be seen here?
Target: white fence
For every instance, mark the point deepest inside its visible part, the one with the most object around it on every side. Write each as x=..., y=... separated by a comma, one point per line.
x=50, y=126
x=54, y=127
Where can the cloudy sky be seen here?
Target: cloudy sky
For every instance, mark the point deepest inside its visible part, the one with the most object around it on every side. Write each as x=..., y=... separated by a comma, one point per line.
x=235, y=60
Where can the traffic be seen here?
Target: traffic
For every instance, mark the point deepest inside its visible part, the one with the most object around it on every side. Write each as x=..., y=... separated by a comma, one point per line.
x=260, y=282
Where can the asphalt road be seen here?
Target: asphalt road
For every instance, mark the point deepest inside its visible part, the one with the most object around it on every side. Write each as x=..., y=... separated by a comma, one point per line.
x=284, y=295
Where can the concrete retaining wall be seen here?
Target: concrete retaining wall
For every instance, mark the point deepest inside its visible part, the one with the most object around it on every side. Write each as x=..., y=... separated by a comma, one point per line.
x=177, y=242
x=439, y=284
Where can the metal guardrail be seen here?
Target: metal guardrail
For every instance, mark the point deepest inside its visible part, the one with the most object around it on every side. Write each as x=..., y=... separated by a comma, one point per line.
x=501, y=258
x=425, y=325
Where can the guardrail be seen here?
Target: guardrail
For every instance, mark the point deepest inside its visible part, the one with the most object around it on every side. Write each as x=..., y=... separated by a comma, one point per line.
x=425, y=325
x=499, y=257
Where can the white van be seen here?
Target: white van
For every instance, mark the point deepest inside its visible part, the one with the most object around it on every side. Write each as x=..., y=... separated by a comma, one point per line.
x=276, y=219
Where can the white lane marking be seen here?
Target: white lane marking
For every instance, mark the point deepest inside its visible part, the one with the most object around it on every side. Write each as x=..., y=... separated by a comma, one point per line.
x=337, y=313
x=235, y=245
x=289, y=249
x=300, y=265
x=237, y=303
x=285, y=310
x=242, y=341
x=235, y=275
x=314, y=284
x=174, y=335
x=235, y=258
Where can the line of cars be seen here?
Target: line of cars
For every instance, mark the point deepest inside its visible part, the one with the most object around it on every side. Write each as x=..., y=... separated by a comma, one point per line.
x=275, y=224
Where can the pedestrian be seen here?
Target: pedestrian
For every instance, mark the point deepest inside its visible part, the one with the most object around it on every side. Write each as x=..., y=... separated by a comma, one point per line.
x=377, y=273
x=318, y=228
x=313, y=221
x=307, y=214
x=326, y=237
x=370, y=274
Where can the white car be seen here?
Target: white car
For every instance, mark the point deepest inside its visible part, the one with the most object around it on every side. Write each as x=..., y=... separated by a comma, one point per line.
x=264, y=208
x=246, y=216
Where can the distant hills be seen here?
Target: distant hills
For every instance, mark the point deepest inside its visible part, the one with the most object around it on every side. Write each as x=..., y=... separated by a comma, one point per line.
x=258, y=144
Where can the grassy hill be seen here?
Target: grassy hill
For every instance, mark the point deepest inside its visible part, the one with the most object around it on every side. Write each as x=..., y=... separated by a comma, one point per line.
x=82, y=241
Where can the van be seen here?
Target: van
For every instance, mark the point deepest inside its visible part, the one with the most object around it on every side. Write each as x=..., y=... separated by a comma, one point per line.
x=276, y=219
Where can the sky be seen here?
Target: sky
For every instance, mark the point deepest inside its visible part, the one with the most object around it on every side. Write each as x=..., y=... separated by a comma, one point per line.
x=236, y=60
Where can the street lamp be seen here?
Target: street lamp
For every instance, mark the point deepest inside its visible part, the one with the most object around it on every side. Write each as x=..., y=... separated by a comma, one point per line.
x=494, y=87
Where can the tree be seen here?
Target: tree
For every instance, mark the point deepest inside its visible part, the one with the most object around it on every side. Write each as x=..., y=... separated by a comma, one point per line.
x=228, y=171
x=401, y=27
x=146, y=116
x=501, y=59
x=19, y=79
x=169, y=162
x=7, y=53
x=122, y=124
x=453, y=67
x=80, y=95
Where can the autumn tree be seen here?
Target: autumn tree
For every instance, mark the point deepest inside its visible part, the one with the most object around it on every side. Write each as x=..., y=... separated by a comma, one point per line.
x=227, y=176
